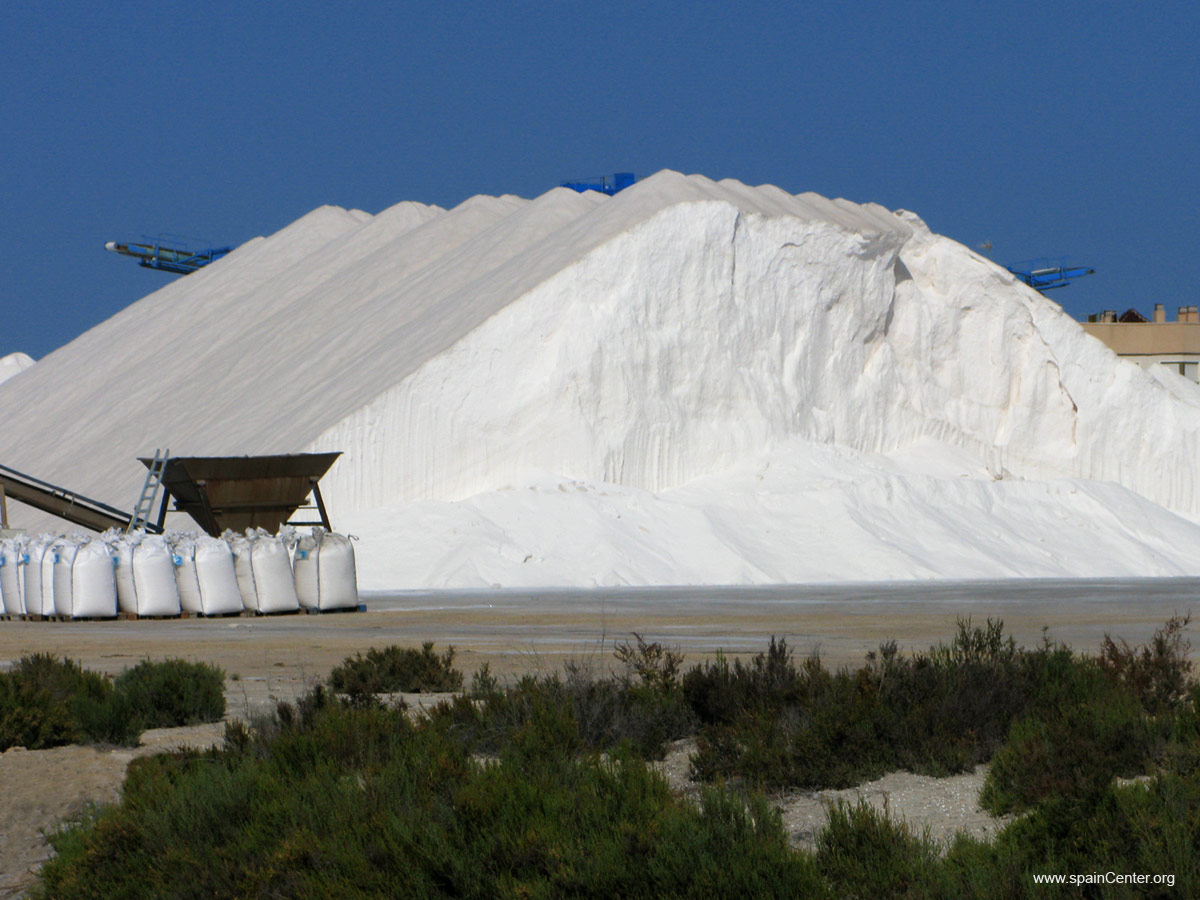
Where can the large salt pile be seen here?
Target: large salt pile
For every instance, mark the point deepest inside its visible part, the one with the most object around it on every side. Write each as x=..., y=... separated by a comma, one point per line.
x=14, y=364
x=689, y=382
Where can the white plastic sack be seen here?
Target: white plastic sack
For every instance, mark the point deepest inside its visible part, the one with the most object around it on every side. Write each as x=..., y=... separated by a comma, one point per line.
x=273, y=580
x=49, y=558
x=154, y=578
x=123, y=547
x=63, y=552
x=34, y=555
x=12, y=580
x=217, y=577
x=93, y=581
x=183, y=550
x=324, y=570
x=242, y=549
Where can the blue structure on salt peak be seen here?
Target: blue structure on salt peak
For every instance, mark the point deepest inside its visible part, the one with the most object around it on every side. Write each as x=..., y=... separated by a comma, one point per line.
x=1046, y=274
x=604, y=184
x=168, y=259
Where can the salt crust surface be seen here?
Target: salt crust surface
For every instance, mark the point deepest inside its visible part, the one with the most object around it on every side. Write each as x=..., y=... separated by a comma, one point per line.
x=730, y=384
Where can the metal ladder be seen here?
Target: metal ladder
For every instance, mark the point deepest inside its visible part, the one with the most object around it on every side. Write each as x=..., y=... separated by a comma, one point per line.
x=145, y=504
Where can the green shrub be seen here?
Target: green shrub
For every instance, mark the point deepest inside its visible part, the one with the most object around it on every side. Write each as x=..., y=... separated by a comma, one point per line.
x=329, y=797
x=778, y=724
x=1181, y=756
x=1147, y=828
x=603, y=711
x=1071, y=751
x=174, y=692
x=828, y=738
x=36, y=698
x=1157, y=674
x=362, y=802
x=48, y=702
x=397, y=669
x=864, y=853
x=650, y=665
x=720, y=694
x=112, y=719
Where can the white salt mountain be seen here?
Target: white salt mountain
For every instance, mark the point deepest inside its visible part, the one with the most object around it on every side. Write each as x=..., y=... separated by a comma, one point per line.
x=689, y=382
x=14, y=364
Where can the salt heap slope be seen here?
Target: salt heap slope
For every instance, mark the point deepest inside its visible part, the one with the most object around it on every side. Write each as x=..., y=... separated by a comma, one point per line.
x=644, y=346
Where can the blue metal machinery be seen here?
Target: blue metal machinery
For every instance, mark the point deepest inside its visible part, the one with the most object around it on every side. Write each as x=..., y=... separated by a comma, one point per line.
x=169, y=259
x=1046, y=274
x=604, y=185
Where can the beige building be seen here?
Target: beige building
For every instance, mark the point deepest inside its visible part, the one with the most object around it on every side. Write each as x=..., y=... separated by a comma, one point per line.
x=1152, y=343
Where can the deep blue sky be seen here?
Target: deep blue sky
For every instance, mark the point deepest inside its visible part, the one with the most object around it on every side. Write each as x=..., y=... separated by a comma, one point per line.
x=1049, y=129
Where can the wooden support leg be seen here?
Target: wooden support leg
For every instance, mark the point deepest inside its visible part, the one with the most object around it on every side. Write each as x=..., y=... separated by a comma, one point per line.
x=162, y=510
x=321, y=507
x=211, y=521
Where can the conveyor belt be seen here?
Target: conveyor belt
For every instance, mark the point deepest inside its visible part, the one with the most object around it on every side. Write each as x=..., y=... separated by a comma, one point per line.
x=60, y=502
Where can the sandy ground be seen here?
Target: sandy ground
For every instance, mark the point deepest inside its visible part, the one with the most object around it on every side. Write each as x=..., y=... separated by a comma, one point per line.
x=275, y=658
x=39, y=788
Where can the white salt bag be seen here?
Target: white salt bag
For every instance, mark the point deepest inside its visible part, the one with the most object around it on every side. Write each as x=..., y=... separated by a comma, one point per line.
x=183, y=556
x=63, y=552
x=123, y=548
x=93, y=582
x=12, y=580
x=242, y=549
x=273, y=579
x=217, y=577
x=49, y=559
x=32, y=561
x=154, y=578
x=324, y=572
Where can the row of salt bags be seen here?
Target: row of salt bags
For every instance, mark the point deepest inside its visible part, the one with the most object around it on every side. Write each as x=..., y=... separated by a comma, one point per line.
x=12, y=574
x=206, y=576
x=264, y=572
x=324, y=571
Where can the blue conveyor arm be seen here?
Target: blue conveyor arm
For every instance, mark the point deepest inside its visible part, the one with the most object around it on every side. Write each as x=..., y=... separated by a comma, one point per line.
x=1044, y=275
x=169, y=259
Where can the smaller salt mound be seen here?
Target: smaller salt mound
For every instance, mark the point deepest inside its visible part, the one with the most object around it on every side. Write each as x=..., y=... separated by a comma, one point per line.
x=14, y=364
x=805, y=513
